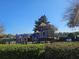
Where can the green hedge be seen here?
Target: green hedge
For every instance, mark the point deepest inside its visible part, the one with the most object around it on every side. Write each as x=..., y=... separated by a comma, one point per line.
x=62, y=50
x=4, y=40
x=21, y=51
x=59, y=50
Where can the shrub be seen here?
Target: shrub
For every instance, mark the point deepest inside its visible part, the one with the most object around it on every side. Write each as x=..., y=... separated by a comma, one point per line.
x=66, y=50
x=57, y=50
x=4, y=40
x=20, y=51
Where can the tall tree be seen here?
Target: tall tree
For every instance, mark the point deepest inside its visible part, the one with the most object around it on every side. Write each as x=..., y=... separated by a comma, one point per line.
x=72, y=14
x=41, y=22
x=43, y=26
x=1, y=28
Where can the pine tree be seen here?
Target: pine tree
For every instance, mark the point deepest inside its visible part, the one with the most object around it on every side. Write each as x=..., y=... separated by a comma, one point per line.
x=44, y=27
x=40, y=23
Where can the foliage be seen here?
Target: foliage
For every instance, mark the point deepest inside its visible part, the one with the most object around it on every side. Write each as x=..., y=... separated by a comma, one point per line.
x=21, y=51
x=62, y=50
x=6, y=40
x=72, y=14
x=1, y=29
x=56, y=50
x=43, y=23
x=42, y=19
x=71, y=35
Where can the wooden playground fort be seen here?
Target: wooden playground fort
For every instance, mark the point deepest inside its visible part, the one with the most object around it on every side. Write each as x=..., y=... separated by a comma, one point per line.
x=39, y=36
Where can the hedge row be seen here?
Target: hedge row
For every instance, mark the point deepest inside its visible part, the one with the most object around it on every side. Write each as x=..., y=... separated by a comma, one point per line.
x=19, y=51
x=4, y=40
x=40, y=51
x=68, y=50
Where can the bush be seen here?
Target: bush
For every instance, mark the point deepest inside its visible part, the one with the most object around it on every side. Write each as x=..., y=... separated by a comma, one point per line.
x=66, y=50
x=58, y=50
x=4, y=40
x=21, y=51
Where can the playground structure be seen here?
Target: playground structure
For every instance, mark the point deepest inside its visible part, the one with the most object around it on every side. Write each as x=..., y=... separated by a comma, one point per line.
x=35, y=37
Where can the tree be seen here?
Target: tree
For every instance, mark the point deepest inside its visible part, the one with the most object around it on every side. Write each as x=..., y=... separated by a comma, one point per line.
x=42, y=26
x=42, y=21
x=72, y=14
x=1, y=28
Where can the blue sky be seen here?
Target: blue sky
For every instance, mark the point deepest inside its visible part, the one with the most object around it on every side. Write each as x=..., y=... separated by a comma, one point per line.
x=18, y=16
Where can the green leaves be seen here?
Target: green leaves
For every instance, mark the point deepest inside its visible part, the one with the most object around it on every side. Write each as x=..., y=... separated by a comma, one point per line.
x=56, y=50
x=18, y=51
